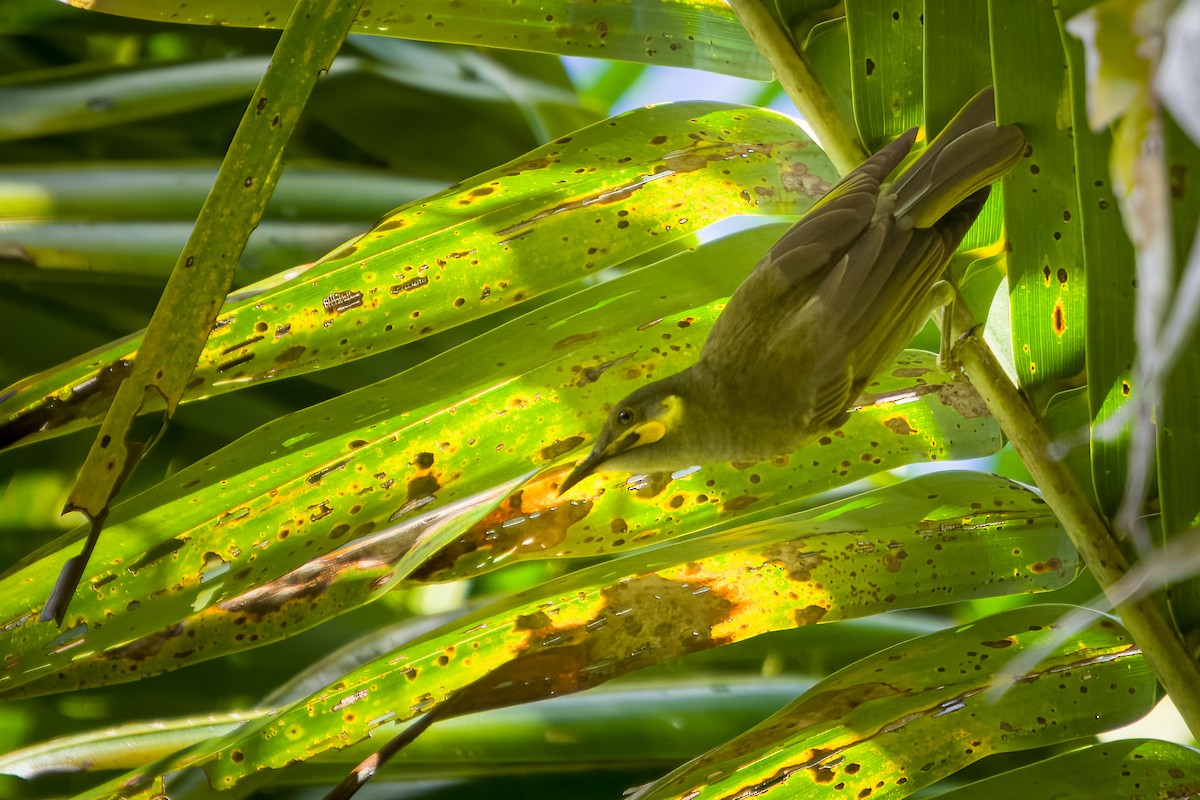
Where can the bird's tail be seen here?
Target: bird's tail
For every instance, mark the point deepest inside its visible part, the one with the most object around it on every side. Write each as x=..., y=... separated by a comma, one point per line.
x=970, y=153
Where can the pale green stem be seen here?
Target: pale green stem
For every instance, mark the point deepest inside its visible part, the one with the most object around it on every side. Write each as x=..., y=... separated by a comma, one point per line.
x=1157, y=638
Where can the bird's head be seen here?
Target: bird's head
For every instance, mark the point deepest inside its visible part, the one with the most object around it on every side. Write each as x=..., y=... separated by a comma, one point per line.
x=644, y=432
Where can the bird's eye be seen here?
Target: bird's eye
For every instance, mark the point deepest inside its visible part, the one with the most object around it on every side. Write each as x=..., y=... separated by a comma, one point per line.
x=625, y=416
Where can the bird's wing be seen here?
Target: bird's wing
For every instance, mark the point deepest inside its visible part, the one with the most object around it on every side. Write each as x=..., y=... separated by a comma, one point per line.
x=809, y=259
x=970, y=153
x=817, y=242
x=900, y=265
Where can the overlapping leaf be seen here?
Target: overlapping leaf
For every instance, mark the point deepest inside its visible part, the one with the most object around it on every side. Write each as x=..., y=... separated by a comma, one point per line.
x=886, y=67
x=1110, y=259
x=319, y=511
x=594, y=199
x=910, y=544
x=1041, y=213
x=655, y=724
x=1111, y=771
x=703, y=34
x=908, y=716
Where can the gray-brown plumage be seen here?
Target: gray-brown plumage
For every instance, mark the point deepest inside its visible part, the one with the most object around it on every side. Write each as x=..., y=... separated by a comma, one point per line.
x=836, y=298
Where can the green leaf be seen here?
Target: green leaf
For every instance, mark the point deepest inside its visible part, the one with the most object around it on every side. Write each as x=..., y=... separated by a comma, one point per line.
x=319, y=512
x=1110, y=261
x=1178, y=424
x=886, y=67
x=1047, y=286
x=652, y=724
x=584, y=202
x=165, y=190
x=203, y=271
x=702, y=34
x=149, y=249
x=903, y=718
x=957, y=65
x=826, y=49
x=974, y=536
x=1110, y=771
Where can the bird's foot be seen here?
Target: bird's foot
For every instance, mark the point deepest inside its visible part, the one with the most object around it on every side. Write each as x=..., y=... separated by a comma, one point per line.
x=941, y=300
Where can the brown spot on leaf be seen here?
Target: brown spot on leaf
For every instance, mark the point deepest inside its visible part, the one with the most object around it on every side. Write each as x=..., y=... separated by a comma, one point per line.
x=810, y=615
x=962, y=397
x=574, y=339
x=588, y=375
x=645, y=620
x=339, y=302
x=653, y=485
x=798, y=562
x=290, y=354
x=1000, y=644
x=423, y=486
x=559, y=447
x=145, y=647
x=740, y=502
x=894, y=560
x=798, y=178
x=511, y=527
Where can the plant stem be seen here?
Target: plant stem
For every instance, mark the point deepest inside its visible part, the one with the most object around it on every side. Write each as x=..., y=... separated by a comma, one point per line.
x=1089, y=532
x=802, y=87
x=1158, y=639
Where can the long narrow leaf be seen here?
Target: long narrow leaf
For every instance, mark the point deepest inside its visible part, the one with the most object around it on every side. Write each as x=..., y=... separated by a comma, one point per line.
x=320, y=511
x=880, y=551
x=584, y=202
x=894, y=723
x=702, y=34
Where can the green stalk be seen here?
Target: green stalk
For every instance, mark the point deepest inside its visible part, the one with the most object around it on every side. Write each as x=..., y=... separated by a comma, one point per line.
x=1091, y=534
x=1160, y=643
x=202, y=276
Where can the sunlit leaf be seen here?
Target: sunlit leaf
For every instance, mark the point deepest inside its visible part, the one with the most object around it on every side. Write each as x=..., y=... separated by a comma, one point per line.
x=903, y=718
x=319, y=512
x=935, y=538
x=1047, y=287
x=584, y=202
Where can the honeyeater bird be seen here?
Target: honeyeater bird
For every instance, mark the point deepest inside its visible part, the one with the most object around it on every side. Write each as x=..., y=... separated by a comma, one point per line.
x=831, y=303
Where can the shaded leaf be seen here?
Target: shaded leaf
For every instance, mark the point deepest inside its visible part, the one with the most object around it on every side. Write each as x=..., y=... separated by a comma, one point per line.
x=1047, y=287
x=703, y=34
x=1110, y=771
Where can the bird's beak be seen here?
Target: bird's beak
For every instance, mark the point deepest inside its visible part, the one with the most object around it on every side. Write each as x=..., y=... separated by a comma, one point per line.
x=647, y=432
x=583, y=469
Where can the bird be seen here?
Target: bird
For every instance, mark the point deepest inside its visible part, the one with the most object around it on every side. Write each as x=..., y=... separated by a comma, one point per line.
x=831, y=303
